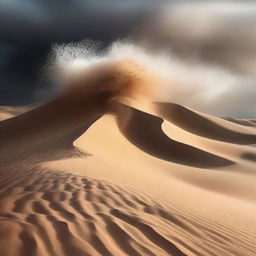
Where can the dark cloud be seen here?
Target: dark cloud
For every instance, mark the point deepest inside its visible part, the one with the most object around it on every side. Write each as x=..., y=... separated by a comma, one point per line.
x=28, y=29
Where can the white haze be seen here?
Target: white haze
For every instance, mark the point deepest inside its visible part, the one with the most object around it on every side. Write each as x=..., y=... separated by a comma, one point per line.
x=206, y=88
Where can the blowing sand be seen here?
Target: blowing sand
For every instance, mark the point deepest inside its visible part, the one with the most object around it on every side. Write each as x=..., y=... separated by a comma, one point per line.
x=77, y=179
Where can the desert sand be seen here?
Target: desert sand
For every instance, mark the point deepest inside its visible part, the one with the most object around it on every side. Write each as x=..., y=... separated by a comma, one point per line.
x=77, y=180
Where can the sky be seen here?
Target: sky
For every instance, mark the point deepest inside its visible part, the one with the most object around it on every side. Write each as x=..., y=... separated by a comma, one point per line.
x=29, y=28
x=212, y=33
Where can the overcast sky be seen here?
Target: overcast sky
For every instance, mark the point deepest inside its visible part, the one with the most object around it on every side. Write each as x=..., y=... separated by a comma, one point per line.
x=221, y=33
x=28, y=29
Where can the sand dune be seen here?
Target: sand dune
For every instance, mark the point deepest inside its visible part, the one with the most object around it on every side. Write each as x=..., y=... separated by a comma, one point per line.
x=195, y=123
x=87, y=206
x=246, y=122
x=144, y=131
x=79, y=179
x=7, y=112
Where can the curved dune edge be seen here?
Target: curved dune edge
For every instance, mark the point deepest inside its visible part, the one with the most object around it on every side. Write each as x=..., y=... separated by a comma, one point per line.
x=144, y=131
x=100, y=188
x=245, y=122
x=202, y=126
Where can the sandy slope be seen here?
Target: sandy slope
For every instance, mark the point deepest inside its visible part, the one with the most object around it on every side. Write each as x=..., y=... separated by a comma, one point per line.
x=167, y=181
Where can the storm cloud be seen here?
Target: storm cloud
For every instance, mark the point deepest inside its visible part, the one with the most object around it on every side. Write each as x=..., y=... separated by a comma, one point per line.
x=28, y=29
x=209, y=35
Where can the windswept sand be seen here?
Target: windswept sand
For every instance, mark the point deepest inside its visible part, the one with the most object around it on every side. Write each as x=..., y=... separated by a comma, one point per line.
x=80, y=176
x=173, y=182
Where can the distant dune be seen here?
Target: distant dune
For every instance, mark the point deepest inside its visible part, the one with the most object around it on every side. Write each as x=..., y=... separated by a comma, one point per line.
x=88, y=174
